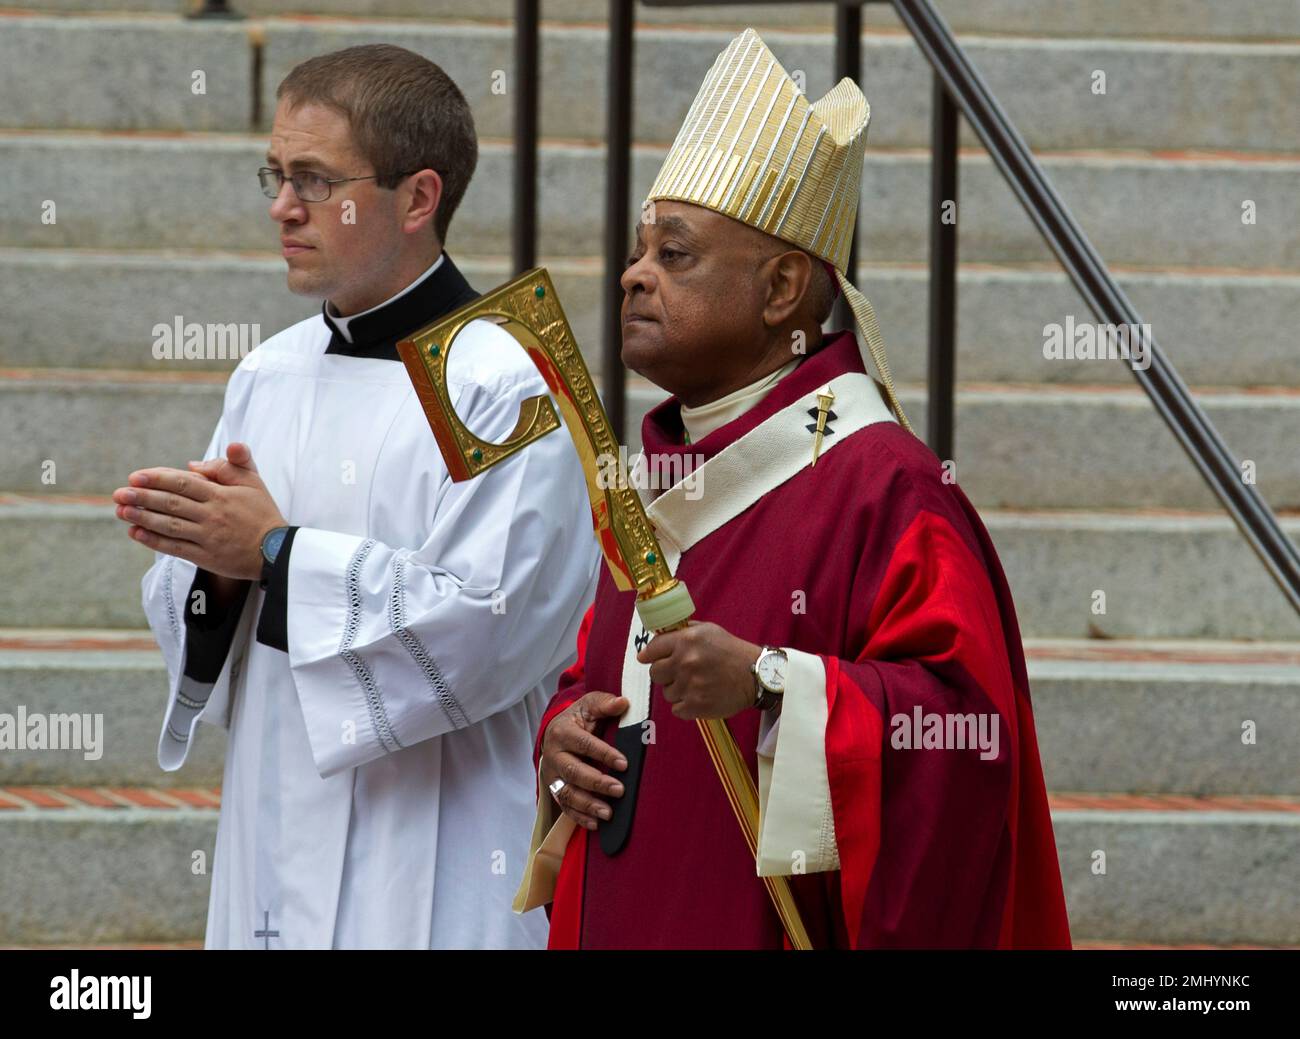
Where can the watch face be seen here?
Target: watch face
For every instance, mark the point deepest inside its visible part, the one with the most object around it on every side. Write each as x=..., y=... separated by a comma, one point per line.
x=771, y=671
x=272, y=542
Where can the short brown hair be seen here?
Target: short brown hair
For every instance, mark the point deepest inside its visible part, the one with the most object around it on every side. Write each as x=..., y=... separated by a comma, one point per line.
x=406, y=114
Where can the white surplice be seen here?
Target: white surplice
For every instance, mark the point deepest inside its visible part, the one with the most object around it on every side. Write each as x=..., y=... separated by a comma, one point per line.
x=378, y=787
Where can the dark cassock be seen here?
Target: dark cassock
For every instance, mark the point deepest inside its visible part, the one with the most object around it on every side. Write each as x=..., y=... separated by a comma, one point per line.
x=900, y=789
x=381, y=692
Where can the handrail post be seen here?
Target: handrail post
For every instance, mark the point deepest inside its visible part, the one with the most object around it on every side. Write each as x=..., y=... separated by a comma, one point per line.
x=848, y=62
x=618, y=177
x=218, y=9
x=527, y=93
x=943, y=273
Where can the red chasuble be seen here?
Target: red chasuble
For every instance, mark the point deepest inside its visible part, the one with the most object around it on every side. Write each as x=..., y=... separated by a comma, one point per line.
x=906, y=605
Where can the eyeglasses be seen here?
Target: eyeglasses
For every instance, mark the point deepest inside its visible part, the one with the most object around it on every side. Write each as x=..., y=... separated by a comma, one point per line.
x=309, y=187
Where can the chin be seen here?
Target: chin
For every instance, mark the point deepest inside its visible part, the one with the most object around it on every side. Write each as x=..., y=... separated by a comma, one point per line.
x=307, y=283
x=659, y=374
x=642, y=350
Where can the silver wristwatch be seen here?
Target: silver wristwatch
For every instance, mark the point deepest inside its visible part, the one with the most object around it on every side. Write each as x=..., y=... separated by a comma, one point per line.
x=769, y=677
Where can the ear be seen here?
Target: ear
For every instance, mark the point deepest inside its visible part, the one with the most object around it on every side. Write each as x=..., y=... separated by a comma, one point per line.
x=788, y=284
x=424, y=196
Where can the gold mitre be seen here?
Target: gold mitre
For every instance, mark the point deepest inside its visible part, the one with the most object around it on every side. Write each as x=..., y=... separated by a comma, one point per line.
x=753, y=148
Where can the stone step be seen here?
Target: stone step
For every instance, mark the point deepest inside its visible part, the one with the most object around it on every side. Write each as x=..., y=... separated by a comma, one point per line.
x=76, y=430
x=1140, y=209
x=1216, y=870
x=1160, y=574
x=126, y=73
x=1171, y=94
x=119, y=680
x=1198, y=717
x=1112, y=715
x=184, y=945
x=1001, y=314
x=1017, y=446
x=1181, y=19
x=1165, y=576
x=105, y=865
x=88, y=868
x=1158, y=94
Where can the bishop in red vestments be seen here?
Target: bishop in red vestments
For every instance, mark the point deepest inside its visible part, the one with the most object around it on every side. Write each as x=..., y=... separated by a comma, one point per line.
x=853, y=624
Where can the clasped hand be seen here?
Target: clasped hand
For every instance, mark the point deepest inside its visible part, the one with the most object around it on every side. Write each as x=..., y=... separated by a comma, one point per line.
x=214, y=515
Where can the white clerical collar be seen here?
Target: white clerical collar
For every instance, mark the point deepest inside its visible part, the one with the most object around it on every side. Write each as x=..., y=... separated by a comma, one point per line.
x=341, y=323
x=702, y=421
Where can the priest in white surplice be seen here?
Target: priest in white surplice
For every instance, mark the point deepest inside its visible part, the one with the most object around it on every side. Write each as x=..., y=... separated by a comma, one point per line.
x=379, y=641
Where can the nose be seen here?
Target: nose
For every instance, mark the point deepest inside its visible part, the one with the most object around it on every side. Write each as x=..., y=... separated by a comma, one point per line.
x=288, y=207
x=638, y=276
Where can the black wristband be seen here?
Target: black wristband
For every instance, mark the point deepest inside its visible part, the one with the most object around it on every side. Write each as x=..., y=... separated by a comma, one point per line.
x=273, y=622
x=208, y=634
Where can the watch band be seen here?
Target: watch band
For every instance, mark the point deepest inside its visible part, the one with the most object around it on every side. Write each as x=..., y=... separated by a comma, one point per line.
x=765, y=699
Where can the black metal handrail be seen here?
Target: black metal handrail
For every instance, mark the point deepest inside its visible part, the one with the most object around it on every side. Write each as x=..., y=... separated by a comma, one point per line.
x=958, y=88
x=1108, y=302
